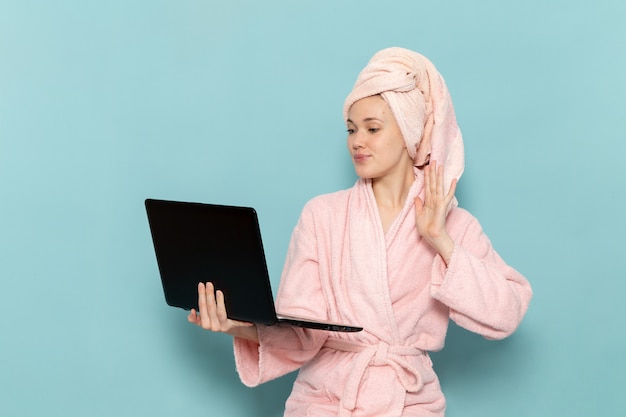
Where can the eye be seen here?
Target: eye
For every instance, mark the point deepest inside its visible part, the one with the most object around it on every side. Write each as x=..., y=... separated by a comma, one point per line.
x=350, y=131
x=373, y=129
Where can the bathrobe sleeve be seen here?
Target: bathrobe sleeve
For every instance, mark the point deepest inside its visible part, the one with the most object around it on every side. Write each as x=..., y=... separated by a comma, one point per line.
x=484, y=294
x=284, y=348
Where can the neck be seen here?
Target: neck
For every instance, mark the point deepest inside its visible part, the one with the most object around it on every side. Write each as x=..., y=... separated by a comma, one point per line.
x=391, y=193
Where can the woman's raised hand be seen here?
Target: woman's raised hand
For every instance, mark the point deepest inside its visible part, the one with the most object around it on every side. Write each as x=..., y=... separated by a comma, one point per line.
x=430, y=214
x=212, y=315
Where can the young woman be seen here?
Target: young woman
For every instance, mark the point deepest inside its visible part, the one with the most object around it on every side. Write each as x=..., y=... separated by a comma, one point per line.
x=393, y=253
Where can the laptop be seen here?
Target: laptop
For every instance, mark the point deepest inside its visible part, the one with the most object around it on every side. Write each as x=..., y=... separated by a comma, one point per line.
x=197, y=242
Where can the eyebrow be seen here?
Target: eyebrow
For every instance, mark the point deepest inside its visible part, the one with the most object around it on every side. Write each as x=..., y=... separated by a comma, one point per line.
x=368, y=119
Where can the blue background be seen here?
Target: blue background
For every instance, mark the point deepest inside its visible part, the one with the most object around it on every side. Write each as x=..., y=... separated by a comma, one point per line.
x=103, y=104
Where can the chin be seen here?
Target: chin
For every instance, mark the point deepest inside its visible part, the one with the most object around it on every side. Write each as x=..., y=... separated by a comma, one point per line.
x=366, y=176
x=362, y=173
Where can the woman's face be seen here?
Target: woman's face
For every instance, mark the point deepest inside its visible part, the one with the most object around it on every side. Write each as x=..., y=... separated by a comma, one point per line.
x=375, y=141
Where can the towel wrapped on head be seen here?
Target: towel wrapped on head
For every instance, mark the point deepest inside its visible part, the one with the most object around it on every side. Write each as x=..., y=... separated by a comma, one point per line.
x=420, y=102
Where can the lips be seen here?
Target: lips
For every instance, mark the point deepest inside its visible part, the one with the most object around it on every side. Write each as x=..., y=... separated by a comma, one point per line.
x=360, y=157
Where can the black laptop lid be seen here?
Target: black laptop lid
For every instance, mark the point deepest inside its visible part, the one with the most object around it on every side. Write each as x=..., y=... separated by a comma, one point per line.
x=197, y=242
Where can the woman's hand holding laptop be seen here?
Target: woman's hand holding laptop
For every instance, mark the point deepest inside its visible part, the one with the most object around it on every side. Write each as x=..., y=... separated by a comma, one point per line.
x=212, y=315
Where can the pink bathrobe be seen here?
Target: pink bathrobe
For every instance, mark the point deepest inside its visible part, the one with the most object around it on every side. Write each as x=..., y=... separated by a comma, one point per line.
x=397, y=288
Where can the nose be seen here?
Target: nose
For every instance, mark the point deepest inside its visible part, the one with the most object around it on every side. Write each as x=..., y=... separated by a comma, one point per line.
x=358, y=141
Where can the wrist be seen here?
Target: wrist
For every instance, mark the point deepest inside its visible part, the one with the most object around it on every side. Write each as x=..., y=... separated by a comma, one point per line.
x=246, y=332
x=444, y=247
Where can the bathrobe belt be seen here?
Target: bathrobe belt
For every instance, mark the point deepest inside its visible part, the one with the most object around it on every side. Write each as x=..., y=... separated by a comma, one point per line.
x=379, y=354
